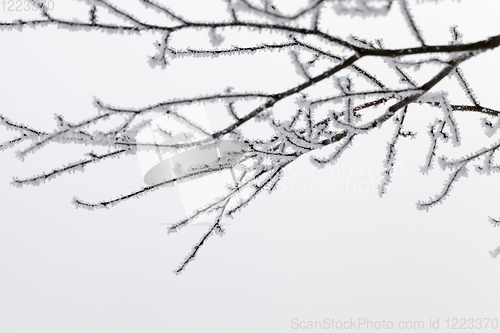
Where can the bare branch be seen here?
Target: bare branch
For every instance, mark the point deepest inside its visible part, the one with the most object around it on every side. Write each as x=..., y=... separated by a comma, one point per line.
x=329, y=109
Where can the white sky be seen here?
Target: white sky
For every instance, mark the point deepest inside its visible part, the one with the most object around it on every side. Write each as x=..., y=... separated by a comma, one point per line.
x=306, y=252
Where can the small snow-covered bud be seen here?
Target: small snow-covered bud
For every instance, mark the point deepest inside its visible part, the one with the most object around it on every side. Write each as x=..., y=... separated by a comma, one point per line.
x=456, y=35
x=495, y=252
x=494, y=222
x=215, y=38
x=490, y=128
x=303, y=102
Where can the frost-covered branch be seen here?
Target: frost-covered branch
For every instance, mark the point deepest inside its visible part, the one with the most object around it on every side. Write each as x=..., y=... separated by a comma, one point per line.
x=331, y=104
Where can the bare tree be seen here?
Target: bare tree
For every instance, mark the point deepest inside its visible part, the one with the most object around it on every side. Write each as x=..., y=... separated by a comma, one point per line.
x=324, y=122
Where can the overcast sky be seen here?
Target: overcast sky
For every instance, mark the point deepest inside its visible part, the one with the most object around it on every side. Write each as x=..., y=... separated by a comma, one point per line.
x=323, y=246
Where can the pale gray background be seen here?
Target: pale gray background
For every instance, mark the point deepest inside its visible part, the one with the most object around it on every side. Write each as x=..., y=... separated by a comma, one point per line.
x=299, y=253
